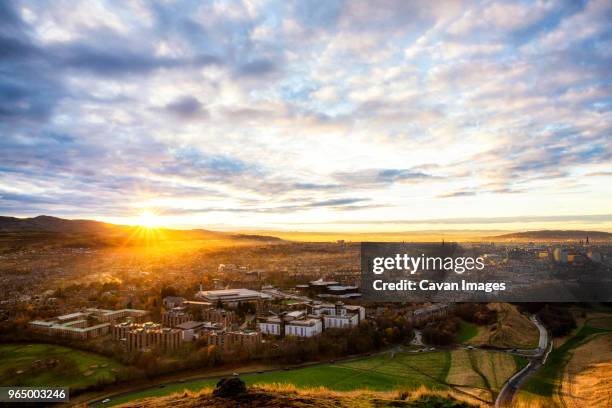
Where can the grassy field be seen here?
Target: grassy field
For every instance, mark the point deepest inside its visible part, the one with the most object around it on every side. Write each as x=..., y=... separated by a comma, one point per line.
x=587, y=378
x=466, y=332
x=581, y=361
x=379, y=373
x=520, y=362
x=482, y=373
x=51, y=365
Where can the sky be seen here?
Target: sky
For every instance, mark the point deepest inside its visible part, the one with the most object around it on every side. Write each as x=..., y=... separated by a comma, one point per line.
x=304, y=115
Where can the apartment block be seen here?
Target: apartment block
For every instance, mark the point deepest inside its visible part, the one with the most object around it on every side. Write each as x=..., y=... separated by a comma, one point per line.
x=147, y=336
x=175, y=317
x=234, y=340
x=86, y=324
x=312, y=321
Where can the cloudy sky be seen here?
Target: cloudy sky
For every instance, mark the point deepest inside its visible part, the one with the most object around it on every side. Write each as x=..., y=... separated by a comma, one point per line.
x=308, y=115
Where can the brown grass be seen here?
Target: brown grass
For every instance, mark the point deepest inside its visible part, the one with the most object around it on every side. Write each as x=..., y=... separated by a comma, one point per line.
x=284, y=395
x=512, y=329
x=527, y=400
x=469, y=369
x=497, y=367
x=461, y=371
x=587, y=380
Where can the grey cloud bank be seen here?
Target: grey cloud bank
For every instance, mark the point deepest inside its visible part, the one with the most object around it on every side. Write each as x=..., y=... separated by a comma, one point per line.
x=375, y=110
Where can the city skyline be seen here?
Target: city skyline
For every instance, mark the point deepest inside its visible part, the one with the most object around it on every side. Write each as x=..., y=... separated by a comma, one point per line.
x=348, y=116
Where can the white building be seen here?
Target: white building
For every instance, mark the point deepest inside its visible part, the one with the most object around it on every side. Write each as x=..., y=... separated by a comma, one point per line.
x=304, y=327
x=309, y=323
x=271, y=326
x=339, y=315
x=341, y=322
x=232, y=297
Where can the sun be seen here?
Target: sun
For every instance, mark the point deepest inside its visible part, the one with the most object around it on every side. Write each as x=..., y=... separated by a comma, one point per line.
x=148, y=232
x=148, y=219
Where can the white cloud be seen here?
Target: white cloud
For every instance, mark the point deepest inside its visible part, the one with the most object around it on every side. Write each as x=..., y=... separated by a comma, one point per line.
x=487, y=98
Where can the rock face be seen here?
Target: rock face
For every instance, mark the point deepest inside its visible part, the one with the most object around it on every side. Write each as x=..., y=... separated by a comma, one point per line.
x=229, y=387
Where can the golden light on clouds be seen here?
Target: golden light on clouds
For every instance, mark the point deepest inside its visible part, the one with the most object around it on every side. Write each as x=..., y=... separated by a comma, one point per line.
x=349, y=119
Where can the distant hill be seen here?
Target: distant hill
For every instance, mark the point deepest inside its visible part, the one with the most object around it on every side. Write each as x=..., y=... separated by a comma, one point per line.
x=46, y=231
x=555, y=235
x=45, y=223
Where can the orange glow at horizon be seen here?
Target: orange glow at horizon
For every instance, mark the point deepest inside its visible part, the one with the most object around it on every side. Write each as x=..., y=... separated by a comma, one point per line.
x=148, y=230
x=148, y=219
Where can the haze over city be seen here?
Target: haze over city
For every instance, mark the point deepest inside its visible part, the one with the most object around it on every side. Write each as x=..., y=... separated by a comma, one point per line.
x=275, y=115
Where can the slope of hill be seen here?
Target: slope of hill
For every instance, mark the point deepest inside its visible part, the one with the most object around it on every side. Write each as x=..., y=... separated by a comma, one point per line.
x=512, y=329
x=289, y=398
x=46, y=231
x=45, y=223
x=555, y=235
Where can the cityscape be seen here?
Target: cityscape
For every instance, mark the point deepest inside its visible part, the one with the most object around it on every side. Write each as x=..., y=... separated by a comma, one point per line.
x=253, y=305
x=214, y=203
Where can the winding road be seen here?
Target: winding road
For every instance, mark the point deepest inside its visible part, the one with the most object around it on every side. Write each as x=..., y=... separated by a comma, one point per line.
x=509, y=390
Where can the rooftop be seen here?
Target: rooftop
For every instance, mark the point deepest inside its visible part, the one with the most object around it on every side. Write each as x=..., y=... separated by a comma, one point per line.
x=304, y=322
x=231, y=295
x=71, y=316
x=321, y=282
x=341, y=288
x=190, y=325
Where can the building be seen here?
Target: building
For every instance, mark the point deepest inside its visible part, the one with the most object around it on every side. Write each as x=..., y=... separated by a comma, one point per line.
x=321, y=283
x=193, y=330
x=338, y=315
x=190, y=329
x=320, y=286
x=432, y=312
x=307, y=327
x=594, y=256
x=147, y=336
x=560, y=255
x=329, y=289
x=272, y=325
x=214, y=315
x=232, y=297
x=86, y=324
x=119, y=331
x=76, y=329
x=206, y=311
x=358, y=310
x=175, y=316
x=234, y=340
x=170, y=302
x=113, y=316
x=342, y=291
x=312, y=321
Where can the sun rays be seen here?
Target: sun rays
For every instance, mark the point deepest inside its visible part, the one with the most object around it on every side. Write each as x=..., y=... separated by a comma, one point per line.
x=149, y=219
x=148, y=229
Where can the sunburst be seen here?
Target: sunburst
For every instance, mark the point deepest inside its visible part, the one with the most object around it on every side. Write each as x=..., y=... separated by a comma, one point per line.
x=148, y=219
